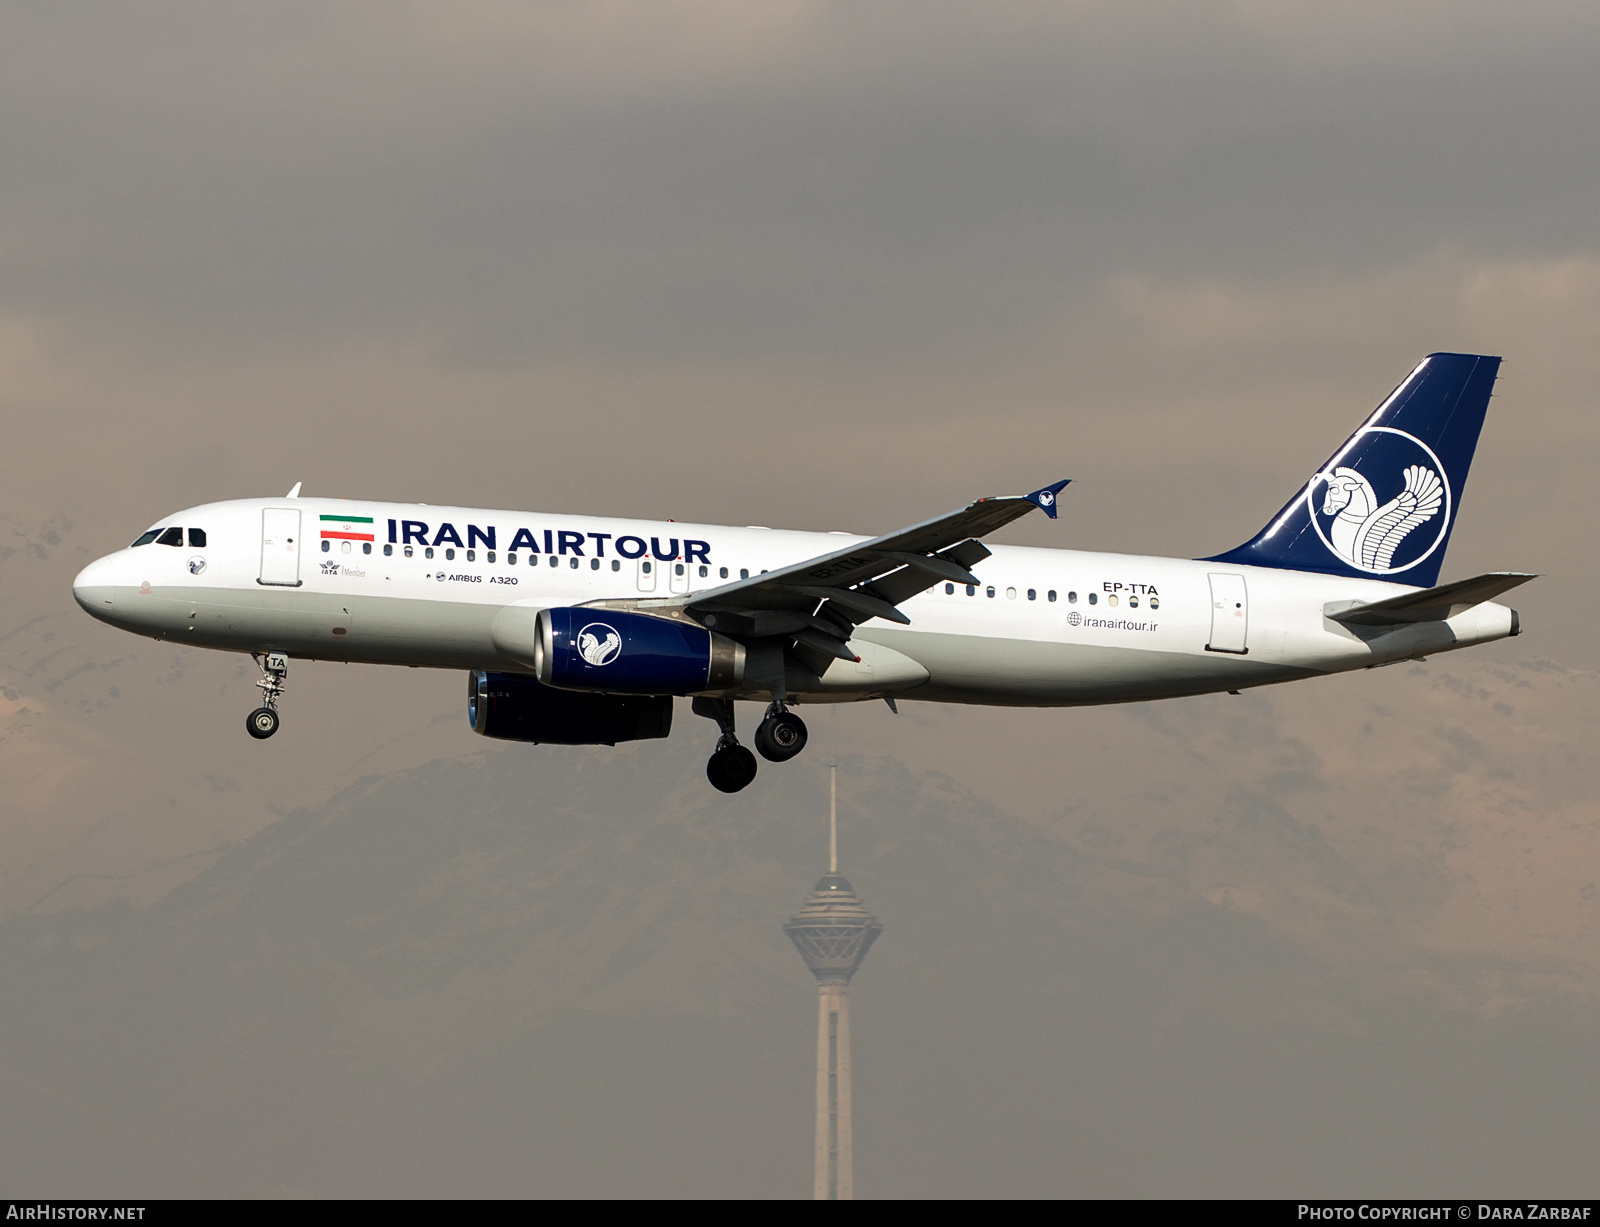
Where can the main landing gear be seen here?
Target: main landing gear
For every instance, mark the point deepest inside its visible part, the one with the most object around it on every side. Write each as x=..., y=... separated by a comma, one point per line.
x=731, y=766
x=780, y=736
x=263, y=722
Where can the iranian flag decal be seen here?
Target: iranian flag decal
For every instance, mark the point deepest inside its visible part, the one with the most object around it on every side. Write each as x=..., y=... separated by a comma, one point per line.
x=347, y=528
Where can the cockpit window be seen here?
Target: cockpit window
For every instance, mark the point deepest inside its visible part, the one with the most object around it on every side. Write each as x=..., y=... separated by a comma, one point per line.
x=197, y=538
x=173, y=536
x=147, y=538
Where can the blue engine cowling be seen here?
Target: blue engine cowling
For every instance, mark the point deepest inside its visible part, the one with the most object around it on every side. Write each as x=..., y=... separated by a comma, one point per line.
x=629, y=653
x=515, y=707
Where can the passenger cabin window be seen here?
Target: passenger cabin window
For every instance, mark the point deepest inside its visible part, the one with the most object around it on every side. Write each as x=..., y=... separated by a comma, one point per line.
x=146, y=538
x=428, y=552
x=615, y=565
x=1032, y=595
x=949, y=590
x=408, y=551
x=554, y=561
x=594, y=564
x=197, y=538
x=1094, y=598
x=744, y=572
x=366, y=547
x=490, y=555
x=574, y=562
x=326, y=545
x=723, y=572
x=449, y=555
x=511, y=560
x=1051, y=595
x=472, y=555
x=1072, y=598
x=173, y=536
x=388, y=550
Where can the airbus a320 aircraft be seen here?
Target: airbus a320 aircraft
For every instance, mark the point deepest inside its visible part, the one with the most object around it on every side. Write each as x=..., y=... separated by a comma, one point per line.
x=581, y=630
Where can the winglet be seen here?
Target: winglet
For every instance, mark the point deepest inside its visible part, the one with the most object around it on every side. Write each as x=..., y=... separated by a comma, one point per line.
x=295, y=493
x=1045, y=499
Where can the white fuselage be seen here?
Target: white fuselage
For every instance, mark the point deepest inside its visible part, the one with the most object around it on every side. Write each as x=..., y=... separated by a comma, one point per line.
x=1045, y=628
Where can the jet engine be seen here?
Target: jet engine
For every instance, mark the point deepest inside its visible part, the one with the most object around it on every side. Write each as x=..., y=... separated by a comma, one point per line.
x=628, y=653
x=514, y=707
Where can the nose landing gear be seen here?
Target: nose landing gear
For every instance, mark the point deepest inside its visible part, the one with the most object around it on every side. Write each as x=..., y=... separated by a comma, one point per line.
x=731, y=766
x=781, y=735
x=263, y=722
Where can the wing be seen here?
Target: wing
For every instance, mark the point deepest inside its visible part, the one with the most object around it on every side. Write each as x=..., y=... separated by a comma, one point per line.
x=1418, y=503
x=815, y=606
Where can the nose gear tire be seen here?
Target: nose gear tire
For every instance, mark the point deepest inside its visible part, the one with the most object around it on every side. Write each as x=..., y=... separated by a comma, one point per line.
x=262, y=723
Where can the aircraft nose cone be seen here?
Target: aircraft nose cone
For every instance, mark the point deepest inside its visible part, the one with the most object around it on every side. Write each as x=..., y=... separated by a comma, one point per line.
x=94, y=589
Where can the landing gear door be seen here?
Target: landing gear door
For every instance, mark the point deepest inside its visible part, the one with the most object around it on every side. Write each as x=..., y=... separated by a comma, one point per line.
x=280, y=546
x=1230, y=614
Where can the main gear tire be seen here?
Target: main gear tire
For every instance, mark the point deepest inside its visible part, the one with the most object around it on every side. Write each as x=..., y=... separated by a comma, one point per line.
x=780, y=737
x=731, y=769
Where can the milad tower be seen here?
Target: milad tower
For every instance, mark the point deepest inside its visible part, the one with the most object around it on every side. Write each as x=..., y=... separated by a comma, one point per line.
x=833, y=933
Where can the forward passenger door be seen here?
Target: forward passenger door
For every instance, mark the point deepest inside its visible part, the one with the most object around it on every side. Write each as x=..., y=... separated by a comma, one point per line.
x=280, y=547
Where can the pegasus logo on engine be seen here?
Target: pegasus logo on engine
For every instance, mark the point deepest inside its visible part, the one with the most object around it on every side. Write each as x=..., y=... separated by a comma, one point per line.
x=599, y=644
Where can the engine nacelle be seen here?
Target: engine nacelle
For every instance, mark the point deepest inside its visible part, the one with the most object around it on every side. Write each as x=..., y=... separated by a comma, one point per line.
x=515, y=707
x=628, y=653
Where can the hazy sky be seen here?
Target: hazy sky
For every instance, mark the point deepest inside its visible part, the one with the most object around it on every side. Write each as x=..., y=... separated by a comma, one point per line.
x=832, y=267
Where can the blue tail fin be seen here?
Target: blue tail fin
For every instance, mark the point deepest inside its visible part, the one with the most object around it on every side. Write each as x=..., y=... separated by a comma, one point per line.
x=1384, y=504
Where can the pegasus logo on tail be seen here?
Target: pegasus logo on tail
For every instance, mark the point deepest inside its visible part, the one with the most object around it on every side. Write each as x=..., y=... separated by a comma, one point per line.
x=1366, y=535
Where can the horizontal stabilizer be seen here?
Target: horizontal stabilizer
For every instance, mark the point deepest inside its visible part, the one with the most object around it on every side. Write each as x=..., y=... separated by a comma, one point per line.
x=1429, y=605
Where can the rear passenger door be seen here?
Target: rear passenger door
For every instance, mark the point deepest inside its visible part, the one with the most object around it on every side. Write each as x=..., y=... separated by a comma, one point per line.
x=1230, y=614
